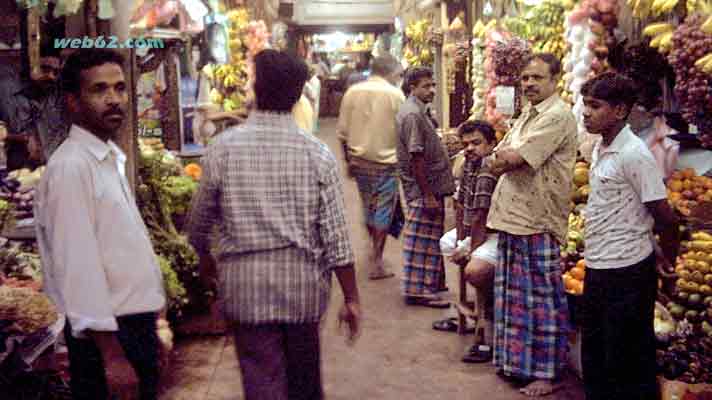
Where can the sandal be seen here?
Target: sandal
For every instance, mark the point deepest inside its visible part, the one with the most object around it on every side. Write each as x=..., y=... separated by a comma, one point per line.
x=450, y=325
x=426, y=302
x=381, y=275
x=478, y=354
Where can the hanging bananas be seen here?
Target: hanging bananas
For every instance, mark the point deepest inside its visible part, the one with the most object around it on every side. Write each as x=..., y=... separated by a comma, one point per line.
x=662, y=36
x=704, y=64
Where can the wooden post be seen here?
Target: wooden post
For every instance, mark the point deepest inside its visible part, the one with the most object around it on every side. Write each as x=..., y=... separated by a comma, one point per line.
x=127, y=137
x=91, y=12
x=33, y=41
x=171, y=121
x=444, y=95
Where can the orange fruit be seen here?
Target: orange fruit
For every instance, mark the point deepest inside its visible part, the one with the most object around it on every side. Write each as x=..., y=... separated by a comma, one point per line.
x=581, y=264
x=675, y=185
x=688, y=173
x=687, y=184
x=578, y=287
x=675, y=197
x=569, y=281
x=578, y=273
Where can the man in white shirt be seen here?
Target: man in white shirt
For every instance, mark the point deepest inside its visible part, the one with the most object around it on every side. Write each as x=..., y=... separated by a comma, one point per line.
x=98, y=263
x=628, y=201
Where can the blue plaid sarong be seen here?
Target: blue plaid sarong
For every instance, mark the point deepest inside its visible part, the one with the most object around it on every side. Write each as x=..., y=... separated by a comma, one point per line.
x=531, y=311
x=423, y=269
x=380, y=197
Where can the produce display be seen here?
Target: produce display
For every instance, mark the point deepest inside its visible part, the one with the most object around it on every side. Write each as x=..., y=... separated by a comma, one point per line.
x=229, y=80
x=506, y=57
x=547, y=28
x=572, y=261
x=417, y=52
x=163, y=195
x=479, y=82
x=24, y=310
x=17, y=193
x=686, y=190
x=455, y=52
x=691, y=59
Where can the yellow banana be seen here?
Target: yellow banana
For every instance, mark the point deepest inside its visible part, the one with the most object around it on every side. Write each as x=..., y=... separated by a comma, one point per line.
x=662, y=41
x=668, y=6
x=708, y=67
x=656, y=6
x=657, y=28
x=706, y=26
x=702, y=62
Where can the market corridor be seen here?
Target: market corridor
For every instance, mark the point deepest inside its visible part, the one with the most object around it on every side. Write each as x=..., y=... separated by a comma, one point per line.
x=399, y=355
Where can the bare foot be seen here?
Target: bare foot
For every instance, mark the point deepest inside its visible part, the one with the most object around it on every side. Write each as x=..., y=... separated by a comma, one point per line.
x=540, y=388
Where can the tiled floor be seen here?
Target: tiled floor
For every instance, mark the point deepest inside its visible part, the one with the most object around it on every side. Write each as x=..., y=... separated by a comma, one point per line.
x=398, y=356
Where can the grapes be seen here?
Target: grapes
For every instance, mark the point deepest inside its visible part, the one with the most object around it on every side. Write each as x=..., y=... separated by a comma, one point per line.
x=693, y=88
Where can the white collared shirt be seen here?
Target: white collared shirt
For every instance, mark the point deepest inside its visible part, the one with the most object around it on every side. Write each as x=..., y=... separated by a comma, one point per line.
x=624, y=176
x=97, y=258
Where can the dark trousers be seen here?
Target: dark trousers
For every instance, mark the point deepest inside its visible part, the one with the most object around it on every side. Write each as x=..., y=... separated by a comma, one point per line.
x=618, y=345
x=139, y=340
x=279, y=361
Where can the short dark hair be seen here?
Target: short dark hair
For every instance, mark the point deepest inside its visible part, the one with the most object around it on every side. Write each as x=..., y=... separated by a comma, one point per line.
x=414, y=75
x=384, y=65
x=279, y=80
x=82, y=60
x=613, y=88
x=484, y=127
x=549, y=59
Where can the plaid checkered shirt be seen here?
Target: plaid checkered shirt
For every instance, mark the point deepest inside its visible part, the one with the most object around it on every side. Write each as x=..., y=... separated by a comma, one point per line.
x=277, y=197
x=476, y=188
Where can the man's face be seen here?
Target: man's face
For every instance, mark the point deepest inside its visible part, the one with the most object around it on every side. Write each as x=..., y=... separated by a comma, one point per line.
x=600, y=117
x=48, y=72
x=639, y=119
x=476, y=146
x=537, y=82
x=424, y=90
x=103, y=99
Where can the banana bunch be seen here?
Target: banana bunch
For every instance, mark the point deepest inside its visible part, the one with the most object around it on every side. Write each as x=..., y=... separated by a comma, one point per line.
x=706, y=26
x=215, y=96
x=660, y=7
x=556, y=45
x=239, y=18
x=480, y=29
x=661, y=32
x=703, y=7
x=641, y=8
x=704, y=64
x=417, y=30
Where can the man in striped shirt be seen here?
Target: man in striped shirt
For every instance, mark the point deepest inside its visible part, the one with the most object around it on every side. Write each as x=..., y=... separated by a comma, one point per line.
x=277, y=196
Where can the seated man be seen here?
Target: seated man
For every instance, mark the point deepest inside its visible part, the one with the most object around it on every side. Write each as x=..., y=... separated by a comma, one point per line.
x=472, y=204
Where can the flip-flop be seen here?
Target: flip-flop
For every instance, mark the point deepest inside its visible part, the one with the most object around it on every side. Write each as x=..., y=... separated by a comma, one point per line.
x=426, y=302
x=450, y=325
x=478, y=354
x=384, y=275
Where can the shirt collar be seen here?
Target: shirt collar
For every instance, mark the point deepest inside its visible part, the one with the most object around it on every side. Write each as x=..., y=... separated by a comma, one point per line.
x=96, y=146
x=421, y=106
x=623, y=137
x=544, y=105
x=271, y=119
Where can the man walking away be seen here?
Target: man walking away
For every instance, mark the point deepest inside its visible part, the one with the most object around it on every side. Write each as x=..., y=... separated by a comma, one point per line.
x=426, y=175
x=367, y=130
x=276, y=193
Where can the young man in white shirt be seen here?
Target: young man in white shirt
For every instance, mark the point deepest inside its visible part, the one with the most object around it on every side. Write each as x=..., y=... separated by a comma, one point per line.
x=628, y=201
x=98, y=263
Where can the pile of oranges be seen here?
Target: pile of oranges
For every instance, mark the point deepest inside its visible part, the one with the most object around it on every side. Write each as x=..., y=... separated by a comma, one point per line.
x=573, y=278
x=686, y=190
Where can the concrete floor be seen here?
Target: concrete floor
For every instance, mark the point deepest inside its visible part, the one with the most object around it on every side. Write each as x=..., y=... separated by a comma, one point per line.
x=398, y=355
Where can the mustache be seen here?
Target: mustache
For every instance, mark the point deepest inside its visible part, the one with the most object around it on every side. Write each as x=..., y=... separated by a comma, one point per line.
x=114, y=111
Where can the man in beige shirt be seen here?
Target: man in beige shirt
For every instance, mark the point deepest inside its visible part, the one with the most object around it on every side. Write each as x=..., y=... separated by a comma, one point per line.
x=530, y=208
x=367, y=130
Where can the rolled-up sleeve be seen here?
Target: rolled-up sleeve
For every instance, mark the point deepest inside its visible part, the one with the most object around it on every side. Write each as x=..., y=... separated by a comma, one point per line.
x=205, y=207
x=333, y=230
x=542, y=138
x=415, y=138
x=75, y=269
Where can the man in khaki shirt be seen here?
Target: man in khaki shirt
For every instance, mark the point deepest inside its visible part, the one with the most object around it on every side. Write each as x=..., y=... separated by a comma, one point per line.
x=367, y=130
x=530, y=210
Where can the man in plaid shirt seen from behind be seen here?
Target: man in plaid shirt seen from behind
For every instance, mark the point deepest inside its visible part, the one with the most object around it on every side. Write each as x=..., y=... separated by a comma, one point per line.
x=276, y=194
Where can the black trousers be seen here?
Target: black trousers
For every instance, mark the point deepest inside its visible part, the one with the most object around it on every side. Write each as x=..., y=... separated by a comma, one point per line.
x=139, y=340
x=618, y=344
x=280, y=361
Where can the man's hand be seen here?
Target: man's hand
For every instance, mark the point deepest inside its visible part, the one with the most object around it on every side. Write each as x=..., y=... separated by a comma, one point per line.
x=207, y=268
x=350, y=321
x=460, y=258
x=121, y=379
